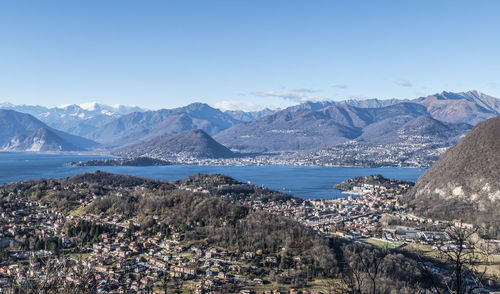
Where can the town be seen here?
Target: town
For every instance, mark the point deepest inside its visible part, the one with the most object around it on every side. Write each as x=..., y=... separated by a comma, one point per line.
x=416, y=153
x=115, y=254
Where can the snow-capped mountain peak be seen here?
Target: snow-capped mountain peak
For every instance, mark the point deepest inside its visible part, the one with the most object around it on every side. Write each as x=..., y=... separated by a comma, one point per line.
x=79, y=119
x=90, y=106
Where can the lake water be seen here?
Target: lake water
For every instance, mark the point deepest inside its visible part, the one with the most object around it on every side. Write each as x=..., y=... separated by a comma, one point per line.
x=300, y=181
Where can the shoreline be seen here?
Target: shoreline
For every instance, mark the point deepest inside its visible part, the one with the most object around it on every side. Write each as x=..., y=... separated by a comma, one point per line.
x=204, y=162
x=209, y=162
x=56, y=167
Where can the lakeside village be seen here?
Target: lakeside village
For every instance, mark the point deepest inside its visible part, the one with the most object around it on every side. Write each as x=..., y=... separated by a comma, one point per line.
x=372, y=209
x=414, y=151
x=127, y=259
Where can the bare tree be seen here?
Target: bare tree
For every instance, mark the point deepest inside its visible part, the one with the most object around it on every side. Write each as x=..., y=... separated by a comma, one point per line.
x=363, y=265
x=468, y=257
x=44, y=275
x=83, y=276
x=55, y=275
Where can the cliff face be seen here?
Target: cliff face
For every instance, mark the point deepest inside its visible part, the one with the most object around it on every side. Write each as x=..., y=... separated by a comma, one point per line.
x=465, y=182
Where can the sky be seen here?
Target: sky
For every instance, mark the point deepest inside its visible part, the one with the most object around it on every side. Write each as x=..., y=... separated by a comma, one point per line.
x=244, y=54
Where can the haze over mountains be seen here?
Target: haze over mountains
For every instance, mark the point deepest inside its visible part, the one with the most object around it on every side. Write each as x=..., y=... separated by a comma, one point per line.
x=442, y=118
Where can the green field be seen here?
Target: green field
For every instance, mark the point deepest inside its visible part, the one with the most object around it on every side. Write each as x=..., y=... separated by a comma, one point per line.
x=382, y=244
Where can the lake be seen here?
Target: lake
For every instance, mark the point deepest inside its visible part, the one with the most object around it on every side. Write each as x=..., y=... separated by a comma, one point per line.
x=301, y=181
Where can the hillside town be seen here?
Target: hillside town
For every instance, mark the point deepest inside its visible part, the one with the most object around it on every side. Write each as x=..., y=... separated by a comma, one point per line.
x=419, y=153
x=120, y=257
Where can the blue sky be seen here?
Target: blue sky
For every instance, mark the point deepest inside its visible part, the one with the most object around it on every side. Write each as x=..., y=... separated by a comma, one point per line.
x=247, y=54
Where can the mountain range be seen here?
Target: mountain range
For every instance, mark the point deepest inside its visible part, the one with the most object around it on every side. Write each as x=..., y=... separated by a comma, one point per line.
x=139, y=126
x=315, y=125
x=314, y=129
x=249, y=116
x=80, y=120
x=444, y=117
x=469, y=107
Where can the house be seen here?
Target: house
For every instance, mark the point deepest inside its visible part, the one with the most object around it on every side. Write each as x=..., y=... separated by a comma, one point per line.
x=189, y=271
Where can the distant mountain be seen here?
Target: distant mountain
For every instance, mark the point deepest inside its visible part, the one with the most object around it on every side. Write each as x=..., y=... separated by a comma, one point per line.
x=142, y=125
x=423, y=129
x=463, y=183
x=79, y=119
x=310, y=105
x=360, y=103
x=23, y=132
x=374, y=102
x=190, y=143
x=302, y=129
x=465, y=107
x=444, y=118
x=312, y=125
x=245, y=116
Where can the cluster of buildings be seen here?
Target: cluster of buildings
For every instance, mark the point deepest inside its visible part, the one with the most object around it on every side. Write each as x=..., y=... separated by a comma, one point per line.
x=350, y=217
x=416, y=152
x=124, y=258
x=411, y=151
x=25, y=221
x=359, y=214
x=119, y=259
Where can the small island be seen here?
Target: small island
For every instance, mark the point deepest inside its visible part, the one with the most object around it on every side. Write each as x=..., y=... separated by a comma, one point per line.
x=371, y=184
x=135, y=161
